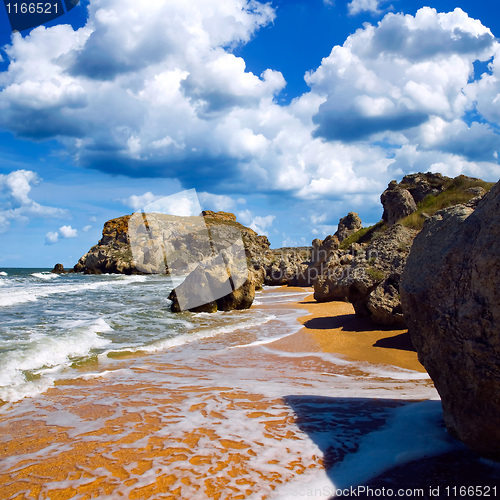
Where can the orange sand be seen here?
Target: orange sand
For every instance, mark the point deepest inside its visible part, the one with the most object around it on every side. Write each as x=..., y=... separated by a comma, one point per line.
x=103, y=463
x=333, y=327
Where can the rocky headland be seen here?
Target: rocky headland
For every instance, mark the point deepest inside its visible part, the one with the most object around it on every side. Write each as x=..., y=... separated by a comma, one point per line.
x=365, y=268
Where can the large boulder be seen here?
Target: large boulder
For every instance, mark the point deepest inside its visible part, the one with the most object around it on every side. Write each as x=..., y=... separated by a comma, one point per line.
x=222, y=283
x=450, y=295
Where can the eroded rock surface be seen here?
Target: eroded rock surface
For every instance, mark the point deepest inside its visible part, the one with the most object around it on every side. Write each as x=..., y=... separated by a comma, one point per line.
x=450, y=294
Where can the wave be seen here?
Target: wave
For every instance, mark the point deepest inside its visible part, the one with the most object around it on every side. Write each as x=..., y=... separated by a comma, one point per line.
x=193, y=336
x=33, y=292
x=45, y=275
x=3, y=273
x=33, y=369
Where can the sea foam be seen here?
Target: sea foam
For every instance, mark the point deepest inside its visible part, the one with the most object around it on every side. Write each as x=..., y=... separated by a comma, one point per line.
x=31, y=370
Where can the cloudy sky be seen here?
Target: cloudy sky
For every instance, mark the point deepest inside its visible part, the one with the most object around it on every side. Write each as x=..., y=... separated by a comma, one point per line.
x=289, y=113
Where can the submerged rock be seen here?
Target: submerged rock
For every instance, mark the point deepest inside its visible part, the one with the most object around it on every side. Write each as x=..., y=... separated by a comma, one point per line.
x=450, y=294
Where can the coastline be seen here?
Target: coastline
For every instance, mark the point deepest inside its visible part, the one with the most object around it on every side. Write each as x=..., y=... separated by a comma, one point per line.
x=332, y=327
x=225, y=417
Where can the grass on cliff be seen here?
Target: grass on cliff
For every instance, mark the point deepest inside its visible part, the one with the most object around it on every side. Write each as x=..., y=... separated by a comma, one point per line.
x=454, y=194
x=364, y=235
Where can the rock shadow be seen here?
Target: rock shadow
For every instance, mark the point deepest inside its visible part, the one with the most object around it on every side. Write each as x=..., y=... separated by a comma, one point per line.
x=388, y=443
x=347, y=322
x=401, y=342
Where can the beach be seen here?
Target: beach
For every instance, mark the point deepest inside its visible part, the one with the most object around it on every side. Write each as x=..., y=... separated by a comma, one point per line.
x=303, y=402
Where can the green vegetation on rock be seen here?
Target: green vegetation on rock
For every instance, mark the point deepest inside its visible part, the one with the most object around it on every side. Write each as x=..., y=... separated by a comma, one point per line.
x=456, y=192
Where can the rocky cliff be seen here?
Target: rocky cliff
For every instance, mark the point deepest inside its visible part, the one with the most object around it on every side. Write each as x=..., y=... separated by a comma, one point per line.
x=137, y=244
x=450, y=294
x=365, y=268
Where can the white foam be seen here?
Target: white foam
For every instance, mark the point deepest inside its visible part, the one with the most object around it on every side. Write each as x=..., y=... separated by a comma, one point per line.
x=3, y=273
x=21, y=295
x=182, y=339
x=44, y=357
x=45, y=275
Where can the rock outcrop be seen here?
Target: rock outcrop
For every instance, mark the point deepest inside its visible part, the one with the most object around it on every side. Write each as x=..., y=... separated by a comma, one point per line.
x=368, y=276
x=348, y=225
x=451, y=299
x=140, y=243
x=286, y=266
x=368, y=271
x=58, y=269
x=397, y=202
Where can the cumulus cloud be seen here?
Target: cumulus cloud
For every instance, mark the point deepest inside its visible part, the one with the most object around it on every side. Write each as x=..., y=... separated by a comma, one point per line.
x=397, y=75
x=218, y=202
x=68, y=232
x=51, y=237
x=65, y=232
x=357, y=6
x=260, y=224
x=15, y=201
x=154, y=89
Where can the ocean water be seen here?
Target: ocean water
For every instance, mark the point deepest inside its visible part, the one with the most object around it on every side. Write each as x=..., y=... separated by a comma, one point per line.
x=51, y=324
x=107, y=394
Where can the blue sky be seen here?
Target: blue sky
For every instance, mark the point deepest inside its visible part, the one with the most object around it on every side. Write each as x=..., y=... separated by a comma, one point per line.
x=289, y=114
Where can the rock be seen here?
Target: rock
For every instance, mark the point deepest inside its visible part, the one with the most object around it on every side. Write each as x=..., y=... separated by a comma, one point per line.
x=397, y=202
x=287, y=266
x=138, y=243
x=223, y=283
x=368, y=276
x=450, y=295
x=348, y=225
x=421, y=185
x=58, y=269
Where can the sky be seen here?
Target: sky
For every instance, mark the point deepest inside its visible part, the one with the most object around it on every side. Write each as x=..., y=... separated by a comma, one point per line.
x=289, y=114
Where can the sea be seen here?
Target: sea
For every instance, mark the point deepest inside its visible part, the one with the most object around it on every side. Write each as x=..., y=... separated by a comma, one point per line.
x=106, y=393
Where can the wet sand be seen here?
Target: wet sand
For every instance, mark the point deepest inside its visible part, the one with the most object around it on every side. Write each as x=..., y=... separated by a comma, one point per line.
x=219, y=419
x=332, y=327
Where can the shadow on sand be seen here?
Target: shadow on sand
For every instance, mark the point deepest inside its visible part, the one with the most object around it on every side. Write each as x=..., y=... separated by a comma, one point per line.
x=388, y=443
x=402, y=341
x=347, y=322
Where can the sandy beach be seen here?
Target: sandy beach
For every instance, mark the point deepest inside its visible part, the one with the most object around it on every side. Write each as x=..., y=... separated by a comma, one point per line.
x=332, y=327
x=226, y=418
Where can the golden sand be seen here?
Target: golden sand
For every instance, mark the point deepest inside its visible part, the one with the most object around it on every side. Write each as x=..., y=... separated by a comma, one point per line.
x=132, y=451
x=334, y=328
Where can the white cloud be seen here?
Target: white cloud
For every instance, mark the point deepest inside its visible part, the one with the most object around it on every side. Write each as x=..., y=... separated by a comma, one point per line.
x=218, y=202
x=51, y=238
x=356, y=6
x=87, y=228
x=68, y=232
x=16, y=204
x=65, y=232
x=137, y=202
x=153, y=89
x=396, y=76
x=259, y=224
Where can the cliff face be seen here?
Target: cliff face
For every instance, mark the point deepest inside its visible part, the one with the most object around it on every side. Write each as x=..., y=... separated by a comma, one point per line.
x=138, y=244
x=366, y=267
x=450, y=294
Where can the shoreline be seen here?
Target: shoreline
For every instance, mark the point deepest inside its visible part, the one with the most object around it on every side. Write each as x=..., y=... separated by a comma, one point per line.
x=224, y=417
x=332, y=327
